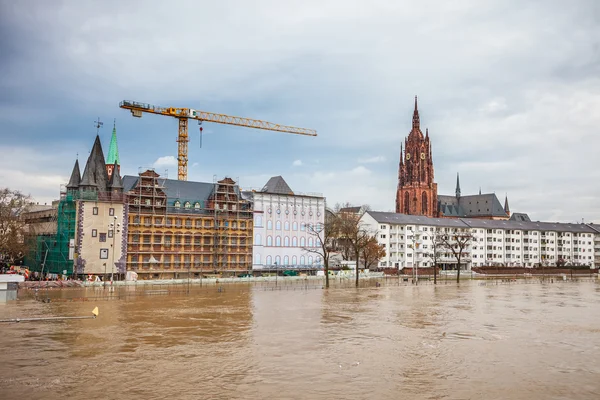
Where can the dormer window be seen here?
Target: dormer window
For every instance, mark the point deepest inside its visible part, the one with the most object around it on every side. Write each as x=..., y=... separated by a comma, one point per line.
x=197, y=206
x=187, y=204
x=177, y=204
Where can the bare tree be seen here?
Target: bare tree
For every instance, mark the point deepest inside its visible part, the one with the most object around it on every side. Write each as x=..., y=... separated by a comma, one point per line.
x=456, y=242
x=13, y=204
x=437, y=249
x=325, y=238
x=372, y=252
x=354, y=235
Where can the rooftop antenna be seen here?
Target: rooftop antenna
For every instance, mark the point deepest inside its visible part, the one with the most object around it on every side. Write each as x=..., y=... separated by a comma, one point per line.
x=98, y=125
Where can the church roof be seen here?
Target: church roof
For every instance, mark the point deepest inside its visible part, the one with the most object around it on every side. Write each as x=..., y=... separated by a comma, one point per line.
x=95, y=173
x=478, y=205
x=75, y=177
x=277, y=185
x=113, y=150
x=176, y=189
x=520, y=217
x=403, y=219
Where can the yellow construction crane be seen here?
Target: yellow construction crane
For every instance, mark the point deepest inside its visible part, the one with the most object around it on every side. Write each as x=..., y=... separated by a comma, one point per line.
x=183, y=114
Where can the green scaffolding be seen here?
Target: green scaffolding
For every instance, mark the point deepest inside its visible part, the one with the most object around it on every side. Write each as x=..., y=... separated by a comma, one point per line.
x=51, y=252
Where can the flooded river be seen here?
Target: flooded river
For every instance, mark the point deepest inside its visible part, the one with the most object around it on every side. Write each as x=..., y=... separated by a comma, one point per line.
x=517, y=341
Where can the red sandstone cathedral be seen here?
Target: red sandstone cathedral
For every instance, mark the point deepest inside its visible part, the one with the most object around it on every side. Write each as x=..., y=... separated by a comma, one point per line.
x=417, y=191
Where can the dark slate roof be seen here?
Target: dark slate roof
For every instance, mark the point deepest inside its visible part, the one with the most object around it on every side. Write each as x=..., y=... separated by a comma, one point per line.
x=520, y=217
x=595, y=226
x=277, y=185
x=394, y=218
x=175, y=189
x=75, y=177
x=354, y=210
x=404, y=219
x=478, y=205
x=95, y=173
x=115, y=179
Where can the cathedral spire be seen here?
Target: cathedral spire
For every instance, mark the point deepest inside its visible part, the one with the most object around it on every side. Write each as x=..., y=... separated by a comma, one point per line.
x=416, y=122
x=506, y=208
x=113, y=150
x=457, y=186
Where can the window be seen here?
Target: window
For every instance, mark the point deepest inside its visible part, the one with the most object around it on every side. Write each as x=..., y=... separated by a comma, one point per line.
x=382, y=227
x=277, y=260
x=278, y=241
x=286, y=226
x=177, y=204
x=278, y=225
x=257, y=239
x=103, y=237
x=286, y=241
x=269, y=260
x=269, y=225
x=286, y=260
x=94, y=232
x=302, y=227
x=95, y=210
x=310, y=242
x=295, y=226
x=111, y=212
x=302, y=242
x=103, y=254
x=294, y=241
x=310, y=260
x=294, y=260
x=269, y=241
x=187, y=205
x=258, y=221
x=257, y=258
x=110, y=233
x=302, y=260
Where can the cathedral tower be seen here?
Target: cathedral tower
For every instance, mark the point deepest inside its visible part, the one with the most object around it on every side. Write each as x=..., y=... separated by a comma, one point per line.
x=417, y=192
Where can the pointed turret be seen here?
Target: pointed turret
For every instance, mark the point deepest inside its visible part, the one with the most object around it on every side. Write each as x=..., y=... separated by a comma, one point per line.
x=112, y=158
x=506, y=208
x=480, y=190
x=401, y=154
x=457, y=186
x=115, y=181
x=427, y=133
x=416, y=122
x=94, y=175
x=75, y=177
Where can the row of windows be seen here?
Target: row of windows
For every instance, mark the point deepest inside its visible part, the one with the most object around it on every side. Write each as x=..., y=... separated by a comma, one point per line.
x=286, y=241
x=102, y=237
x=286, y=260
x=178, y=222
x=111, y=211
x=489, y=231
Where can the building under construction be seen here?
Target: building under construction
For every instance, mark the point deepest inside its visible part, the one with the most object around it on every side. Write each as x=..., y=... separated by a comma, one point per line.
x=179, y=229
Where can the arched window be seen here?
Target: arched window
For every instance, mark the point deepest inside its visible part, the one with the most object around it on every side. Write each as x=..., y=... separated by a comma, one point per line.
x=302, y=260
x=187, y=204
x=294, y=260
x=309, y=260
x=302, y=243
x=302, y=227
x=310, y=242
x=424, y=203
x=269, y=241
x=294, y=241
x=257, y=258
x=318, y=260
x=286, y=226
x=286, y=241
x=278, y=225
x=406, y=203
x=278, y=241
x=257, y=240
x=286, y=260
x=269, y=260
x=277, y=260
x=269, y=224
x=258, y=221
x=295, y=226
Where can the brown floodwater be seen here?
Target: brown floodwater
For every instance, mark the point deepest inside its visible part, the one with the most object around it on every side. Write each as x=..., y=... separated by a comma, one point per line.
x=517, y=341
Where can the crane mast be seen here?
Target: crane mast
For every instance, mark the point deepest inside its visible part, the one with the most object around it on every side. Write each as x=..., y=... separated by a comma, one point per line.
x=183, y=114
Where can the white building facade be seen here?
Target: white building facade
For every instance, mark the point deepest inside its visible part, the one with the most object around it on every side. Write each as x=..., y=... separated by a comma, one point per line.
x=284, y=224
x=495, y=242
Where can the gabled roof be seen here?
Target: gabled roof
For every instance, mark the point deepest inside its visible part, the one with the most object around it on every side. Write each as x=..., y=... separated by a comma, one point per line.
x=175, y=189
x=522, y=217
x=478, y=205
x=277, y=185
x=353, y=210
x=75, y=177
x=405, y=219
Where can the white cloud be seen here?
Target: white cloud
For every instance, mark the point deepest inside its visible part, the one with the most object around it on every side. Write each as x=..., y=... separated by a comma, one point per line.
x=297, y=163
x=166, y=161
x=371, y=160
x=195, y=164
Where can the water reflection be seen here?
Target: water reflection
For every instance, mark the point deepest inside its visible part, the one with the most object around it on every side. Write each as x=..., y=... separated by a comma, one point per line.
x=389, y=342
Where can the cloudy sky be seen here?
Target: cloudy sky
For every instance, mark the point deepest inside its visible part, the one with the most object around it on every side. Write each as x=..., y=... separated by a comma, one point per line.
x=509, y=89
